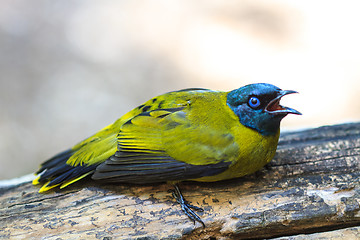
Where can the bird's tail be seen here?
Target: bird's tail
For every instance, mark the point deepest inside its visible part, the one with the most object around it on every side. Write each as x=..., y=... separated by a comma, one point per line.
x=56, y=172
x=78, y=162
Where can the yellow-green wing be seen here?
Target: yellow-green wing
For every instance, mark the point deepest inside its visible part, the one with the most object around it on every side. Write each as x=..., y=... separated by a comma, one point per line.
x=163, y=145
x=155, y=130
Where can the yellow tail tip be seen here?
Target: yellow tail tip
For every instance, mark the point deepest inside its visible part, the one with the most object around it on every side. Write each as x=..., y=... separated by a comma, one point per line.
x=36, y=181
x=46, y=188
x=65, y=184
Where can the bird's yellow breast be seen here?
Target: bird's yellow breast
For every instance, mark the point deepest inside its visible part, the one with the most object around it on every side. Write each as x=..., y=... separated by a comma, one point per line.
x=253, y=150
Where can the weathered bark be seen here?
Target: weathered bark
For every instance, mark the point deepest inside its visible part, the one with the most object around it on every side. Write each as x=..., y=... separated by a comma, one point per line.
x=312, y=186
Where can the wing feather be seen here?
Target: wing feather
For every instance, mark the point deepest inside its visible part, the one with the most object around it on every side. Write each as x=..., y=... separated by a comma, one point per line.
x=143, y=150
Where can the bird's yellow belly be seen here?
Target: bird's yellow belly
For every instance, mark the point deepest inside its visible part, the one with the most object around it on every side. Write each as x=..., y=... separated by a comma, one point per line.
x=255, y=151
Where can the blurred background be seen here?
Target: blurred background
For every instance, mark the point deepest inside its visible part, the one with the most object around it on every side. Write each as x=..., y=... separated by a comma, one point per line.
x=69, y=68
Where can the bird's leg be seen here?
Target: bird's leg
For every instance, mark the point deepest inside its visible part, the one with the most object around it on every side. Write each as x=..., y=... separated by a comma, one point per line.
x=186, y=207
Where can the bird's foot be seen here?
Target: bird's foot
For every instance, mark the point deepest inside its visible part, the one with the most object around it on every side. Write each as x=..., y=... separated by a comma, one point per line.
x=186, y=207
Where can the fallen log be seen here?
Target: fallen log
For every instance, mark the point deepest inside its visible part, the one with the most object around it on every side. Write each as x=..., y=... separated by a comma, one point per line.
x=311, y=187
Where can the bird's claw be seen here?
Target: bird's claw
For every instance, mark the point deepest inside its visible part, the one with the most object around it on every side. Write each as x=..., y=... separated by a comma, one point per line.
x=186, y=207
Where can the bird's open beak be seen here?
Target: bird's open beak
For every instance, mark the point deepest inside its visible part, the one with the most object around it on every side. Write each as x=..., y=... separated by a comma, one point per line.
x=274, y=106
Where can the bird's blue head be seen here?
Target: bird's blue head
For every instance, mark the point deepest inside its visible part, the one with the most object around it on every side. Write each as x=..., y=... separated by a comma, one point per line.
x=257, y=106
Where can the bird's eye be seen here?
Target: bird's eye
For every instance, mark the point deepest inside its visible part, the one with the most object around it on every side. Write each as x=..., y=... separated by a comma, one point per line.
x=254, y=102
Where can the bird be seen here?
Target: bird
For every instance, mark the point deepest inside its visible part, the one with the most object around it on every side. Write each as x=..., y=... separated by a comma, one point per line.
x=193, y=134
